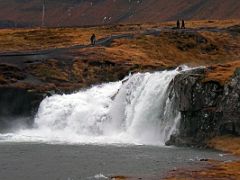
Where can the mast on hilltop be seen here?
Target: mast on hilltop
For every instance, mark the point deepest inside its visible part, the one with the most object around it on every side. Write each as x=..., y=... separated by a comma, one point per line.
x=43, y=12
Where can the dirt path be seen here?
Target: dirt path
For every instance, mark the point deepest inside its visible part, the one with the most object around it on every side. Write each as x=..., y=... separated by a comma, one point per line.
x=102, y=42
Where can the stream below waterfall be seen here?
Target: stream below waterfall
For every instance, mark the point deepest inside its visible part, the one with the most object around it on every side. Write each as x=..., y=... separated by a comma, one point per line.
x=32, y=161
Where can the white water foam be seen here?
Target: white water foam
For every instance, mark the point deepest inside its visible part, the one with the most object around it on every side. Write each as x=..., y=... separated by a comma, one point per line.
x=134, y=111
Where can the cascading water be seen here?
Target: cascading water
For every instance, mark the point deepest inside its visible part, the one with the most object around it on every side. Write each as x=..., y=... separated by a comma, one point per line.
x=137, y=110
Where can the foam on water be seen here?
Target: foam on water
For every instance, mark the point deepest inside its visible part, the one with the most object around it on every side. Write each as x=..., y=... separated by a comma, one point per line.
x=137, y=110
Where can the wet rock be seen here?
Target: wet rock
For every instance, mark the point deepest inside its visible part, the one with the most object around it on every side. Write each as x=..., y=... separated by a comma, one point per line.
x=208, y=109
x=237, y=72
x=11, y=73
x=18, y=105
x=234, y=29
x=204, y=160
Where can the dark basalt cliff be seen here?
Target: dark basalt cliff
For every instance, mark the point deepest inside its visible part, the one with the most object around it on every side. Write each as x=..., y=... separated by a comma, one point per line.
x=208, y=108
x=18, y=106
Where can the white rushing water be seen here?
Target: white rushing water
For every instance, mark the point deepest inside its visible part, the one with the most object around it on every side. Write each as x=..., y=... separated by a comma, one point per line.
x=136, y=110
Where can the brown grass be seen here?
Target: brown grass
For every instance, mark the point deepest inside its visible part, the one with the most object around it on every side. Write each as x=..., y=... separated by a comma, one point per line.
x=222, y=72
x=172, y=49
x=49, y=70
x=226, y=143
x=216, y=170
x=206, y=23
x=47, y=38
x=110, y=63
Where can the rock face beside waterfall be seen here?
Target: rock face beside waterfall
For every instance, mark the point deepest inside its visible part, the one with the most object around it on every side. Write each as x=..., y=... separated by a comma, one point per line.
x=18, y=105
x=208, y=108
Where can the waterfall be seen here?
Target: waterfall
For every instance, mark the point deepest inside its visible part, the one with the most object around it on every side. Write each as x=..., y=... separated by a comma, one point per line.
x=137, y=110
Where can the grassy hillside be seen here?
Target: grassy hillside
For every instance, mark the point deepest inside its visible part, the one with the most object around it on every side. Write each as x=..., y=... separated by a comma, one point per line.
x=67, y=66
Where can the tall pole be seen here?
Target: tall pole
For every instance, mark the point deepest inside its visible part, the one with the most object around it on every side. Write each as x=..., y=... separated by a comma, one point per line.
x=43, y=13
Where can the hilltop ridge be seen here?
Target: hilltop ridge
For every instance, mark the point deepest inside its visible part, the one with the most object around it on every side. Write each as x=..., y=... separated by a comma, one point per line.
x=15, y=13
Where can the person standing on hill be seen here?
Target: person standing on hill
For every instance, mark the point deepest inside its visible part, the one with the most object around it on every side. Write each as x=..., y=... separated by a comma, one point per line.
x=93, y=39
x=178, y=24
x=183, y=24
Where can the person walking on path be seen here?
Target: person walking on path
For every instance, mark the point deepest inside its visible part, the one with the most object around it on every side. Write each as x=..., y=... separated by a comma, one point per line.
x=93, y=39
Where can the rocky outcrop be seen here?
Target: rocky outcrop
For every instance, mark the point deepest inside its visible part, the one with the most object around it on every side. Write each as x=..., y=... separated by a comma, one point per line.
x=18, y=106
x=208, y=108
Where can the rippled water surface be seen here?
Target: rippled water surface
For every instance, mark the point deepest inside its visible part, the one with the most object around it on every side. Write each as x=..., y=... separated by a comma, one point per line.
x=24, y=161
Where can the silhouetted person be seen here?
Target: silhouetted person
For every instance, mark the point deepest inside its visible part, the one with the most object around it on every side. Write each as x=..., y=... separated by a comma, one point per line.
x=178, y=24
x=183, y=24
x=93, y=39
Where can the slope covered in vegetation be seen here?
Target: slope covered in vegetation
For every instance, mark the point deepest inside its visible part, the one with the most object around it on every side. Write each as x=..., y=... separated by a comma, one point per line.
x=95, y=12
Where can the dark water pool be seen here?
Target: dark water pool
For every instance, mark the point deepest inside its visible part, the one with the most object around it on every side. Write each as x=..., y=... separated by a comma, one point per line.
x=23, y=161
